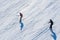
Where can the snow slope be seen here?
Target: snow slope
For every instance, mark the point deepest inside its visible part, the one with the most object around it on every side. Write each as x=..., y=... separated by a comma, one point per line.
x=36, y=15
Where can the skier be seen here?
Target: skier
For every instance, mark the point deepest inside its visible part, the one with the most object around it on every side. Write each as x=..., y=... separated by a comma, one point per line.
x=53, y=34
x=20, y=20
x=51, y=24
x=21, y=15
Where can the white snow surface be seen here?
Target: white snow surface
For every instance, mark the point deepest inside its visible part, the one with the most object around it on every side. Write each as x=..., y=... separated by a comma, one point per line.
x=36, y=16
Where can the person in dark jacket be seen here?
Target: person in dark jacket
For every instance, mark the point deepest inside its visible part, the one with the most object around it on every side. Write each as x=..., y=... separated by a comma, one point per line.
x=21, y=15
x=53, y=33
x=51, y=24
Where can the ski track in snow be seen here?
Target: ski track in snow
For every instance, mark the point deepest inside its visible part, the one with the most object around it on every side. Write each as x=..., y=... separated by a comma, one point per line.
x=37, y=14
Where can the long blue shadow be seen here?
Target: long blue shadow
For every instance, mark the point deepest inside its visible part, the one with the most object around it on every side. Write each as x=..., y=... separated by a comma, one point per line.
x=21, y=24
x=54, y=35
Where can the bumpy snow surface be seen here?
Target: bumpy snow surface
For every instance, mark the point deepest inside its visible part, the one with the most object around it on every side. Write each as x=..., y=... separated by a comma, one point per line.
x=34, y=23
